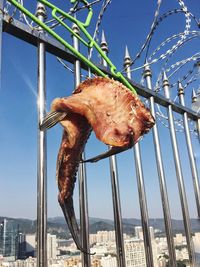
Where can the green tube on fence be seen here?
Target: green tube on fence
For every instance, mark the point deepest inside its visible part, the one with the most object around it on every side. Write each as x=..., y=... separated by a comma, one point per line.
x=82, y=26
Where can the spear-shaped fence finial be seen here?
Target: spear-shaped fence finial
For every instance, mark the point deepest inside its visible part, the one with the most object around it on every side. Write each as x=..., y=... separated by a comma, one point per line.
x=180, y=89
x=104, y=44
x=41, y=10
x=166, y=85
x=165, y=78
x=147, y=70
x=75, y=28
x=127, y=58
x=104, y=47
x=194, y=96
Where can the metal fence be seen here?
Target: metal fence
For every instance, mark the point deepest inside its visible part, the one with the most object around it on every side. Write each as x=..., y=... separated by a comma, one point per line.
x=47, y=44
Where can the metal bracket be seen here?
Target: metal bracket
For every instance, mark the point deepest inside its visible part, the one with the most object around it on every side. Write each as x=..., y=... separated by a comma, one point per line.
x=56, y=12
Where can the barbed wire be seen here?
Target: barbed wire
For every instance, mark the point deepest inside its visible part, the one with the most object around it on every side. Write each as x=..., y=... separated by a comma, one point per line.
x=170, y=51
x=158, y=86
x=174, y=47
x=167, y=41
x=180, y=64
x=187, y=18
x=183, y=36
x=193, y=79
x=149, y=36
x=7, y=8
x=163, y=119
x=53, y=21
x=163, y=52
x=164, y=16
x=68, y=68
x=96, y=32
x=98, y=23
x=22, y=17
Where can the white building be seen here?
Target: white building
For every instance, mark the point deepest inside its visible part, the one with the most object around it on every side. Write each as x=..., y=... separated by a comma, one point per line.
x=51, y=246
x=151, y=229
x=29, y=262
x=196, y=240
x=93, y=239
x=105, y=236
x=139, y=232
x=109, y=261
x=31, y=244
x=135, y=253
x=179, y=239
x=102, y=237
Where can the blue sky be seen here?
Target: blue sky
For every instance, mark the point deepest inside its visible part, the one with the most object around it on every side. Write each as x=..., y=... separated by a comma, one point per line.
x=125, y=23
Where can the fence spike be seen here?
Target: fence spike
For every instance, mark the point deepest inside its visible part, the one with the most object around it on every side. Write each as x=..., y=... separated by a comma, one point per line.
x=194, y=96
x=161, y=174
x=104, y=47
x=147, y=74
x=41, y=10
x=193, y=167
x=179, y=175
x=141, y=192
x=103, y=38
x=121, y=262
x=165, y=78
x=180, y=89
x=127, y=55
x=127, y=58
x=166, y=85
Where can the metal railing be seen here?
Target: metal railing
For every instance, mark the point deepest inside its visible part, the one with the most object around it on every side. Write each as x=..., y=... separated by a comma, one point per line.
x=47, y=44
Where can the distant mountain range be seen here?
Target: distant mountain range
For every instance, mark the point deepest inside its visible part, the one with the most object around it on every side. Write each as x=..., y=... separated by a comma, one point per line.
x=58, y=225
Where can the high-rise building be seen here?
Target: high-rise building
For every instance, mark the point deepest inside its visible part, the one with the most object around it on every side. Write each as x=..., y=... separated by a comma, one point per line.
x=1, y=238
x=8, y=239
x=21, y=246
x=51, y=246
x=139, y=232
x=102, y=237
x=93, y=238
x=151, y=229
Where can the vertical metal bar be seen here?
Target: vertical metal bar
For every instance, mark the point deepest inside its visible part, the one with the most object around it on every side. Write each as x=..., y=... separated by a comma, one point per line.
x=1, y=35
x=179, y=175
x=194, y=99
x=115, y=190
x=141, y=186
x=198, y=128
x=161, y=176
x=190, y=150
x=84, y=220
x=42, y=163
x=117, y=212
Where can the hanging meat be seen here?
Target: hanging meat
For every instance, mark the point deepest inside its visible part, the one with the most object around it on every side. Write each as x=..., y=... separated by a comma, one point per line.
x=116, y=115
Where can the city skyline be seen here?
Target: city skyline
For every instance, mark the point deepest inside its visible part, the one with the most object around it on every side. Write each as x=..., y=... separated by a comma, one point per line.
x=21, y=248
x=18, y=114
